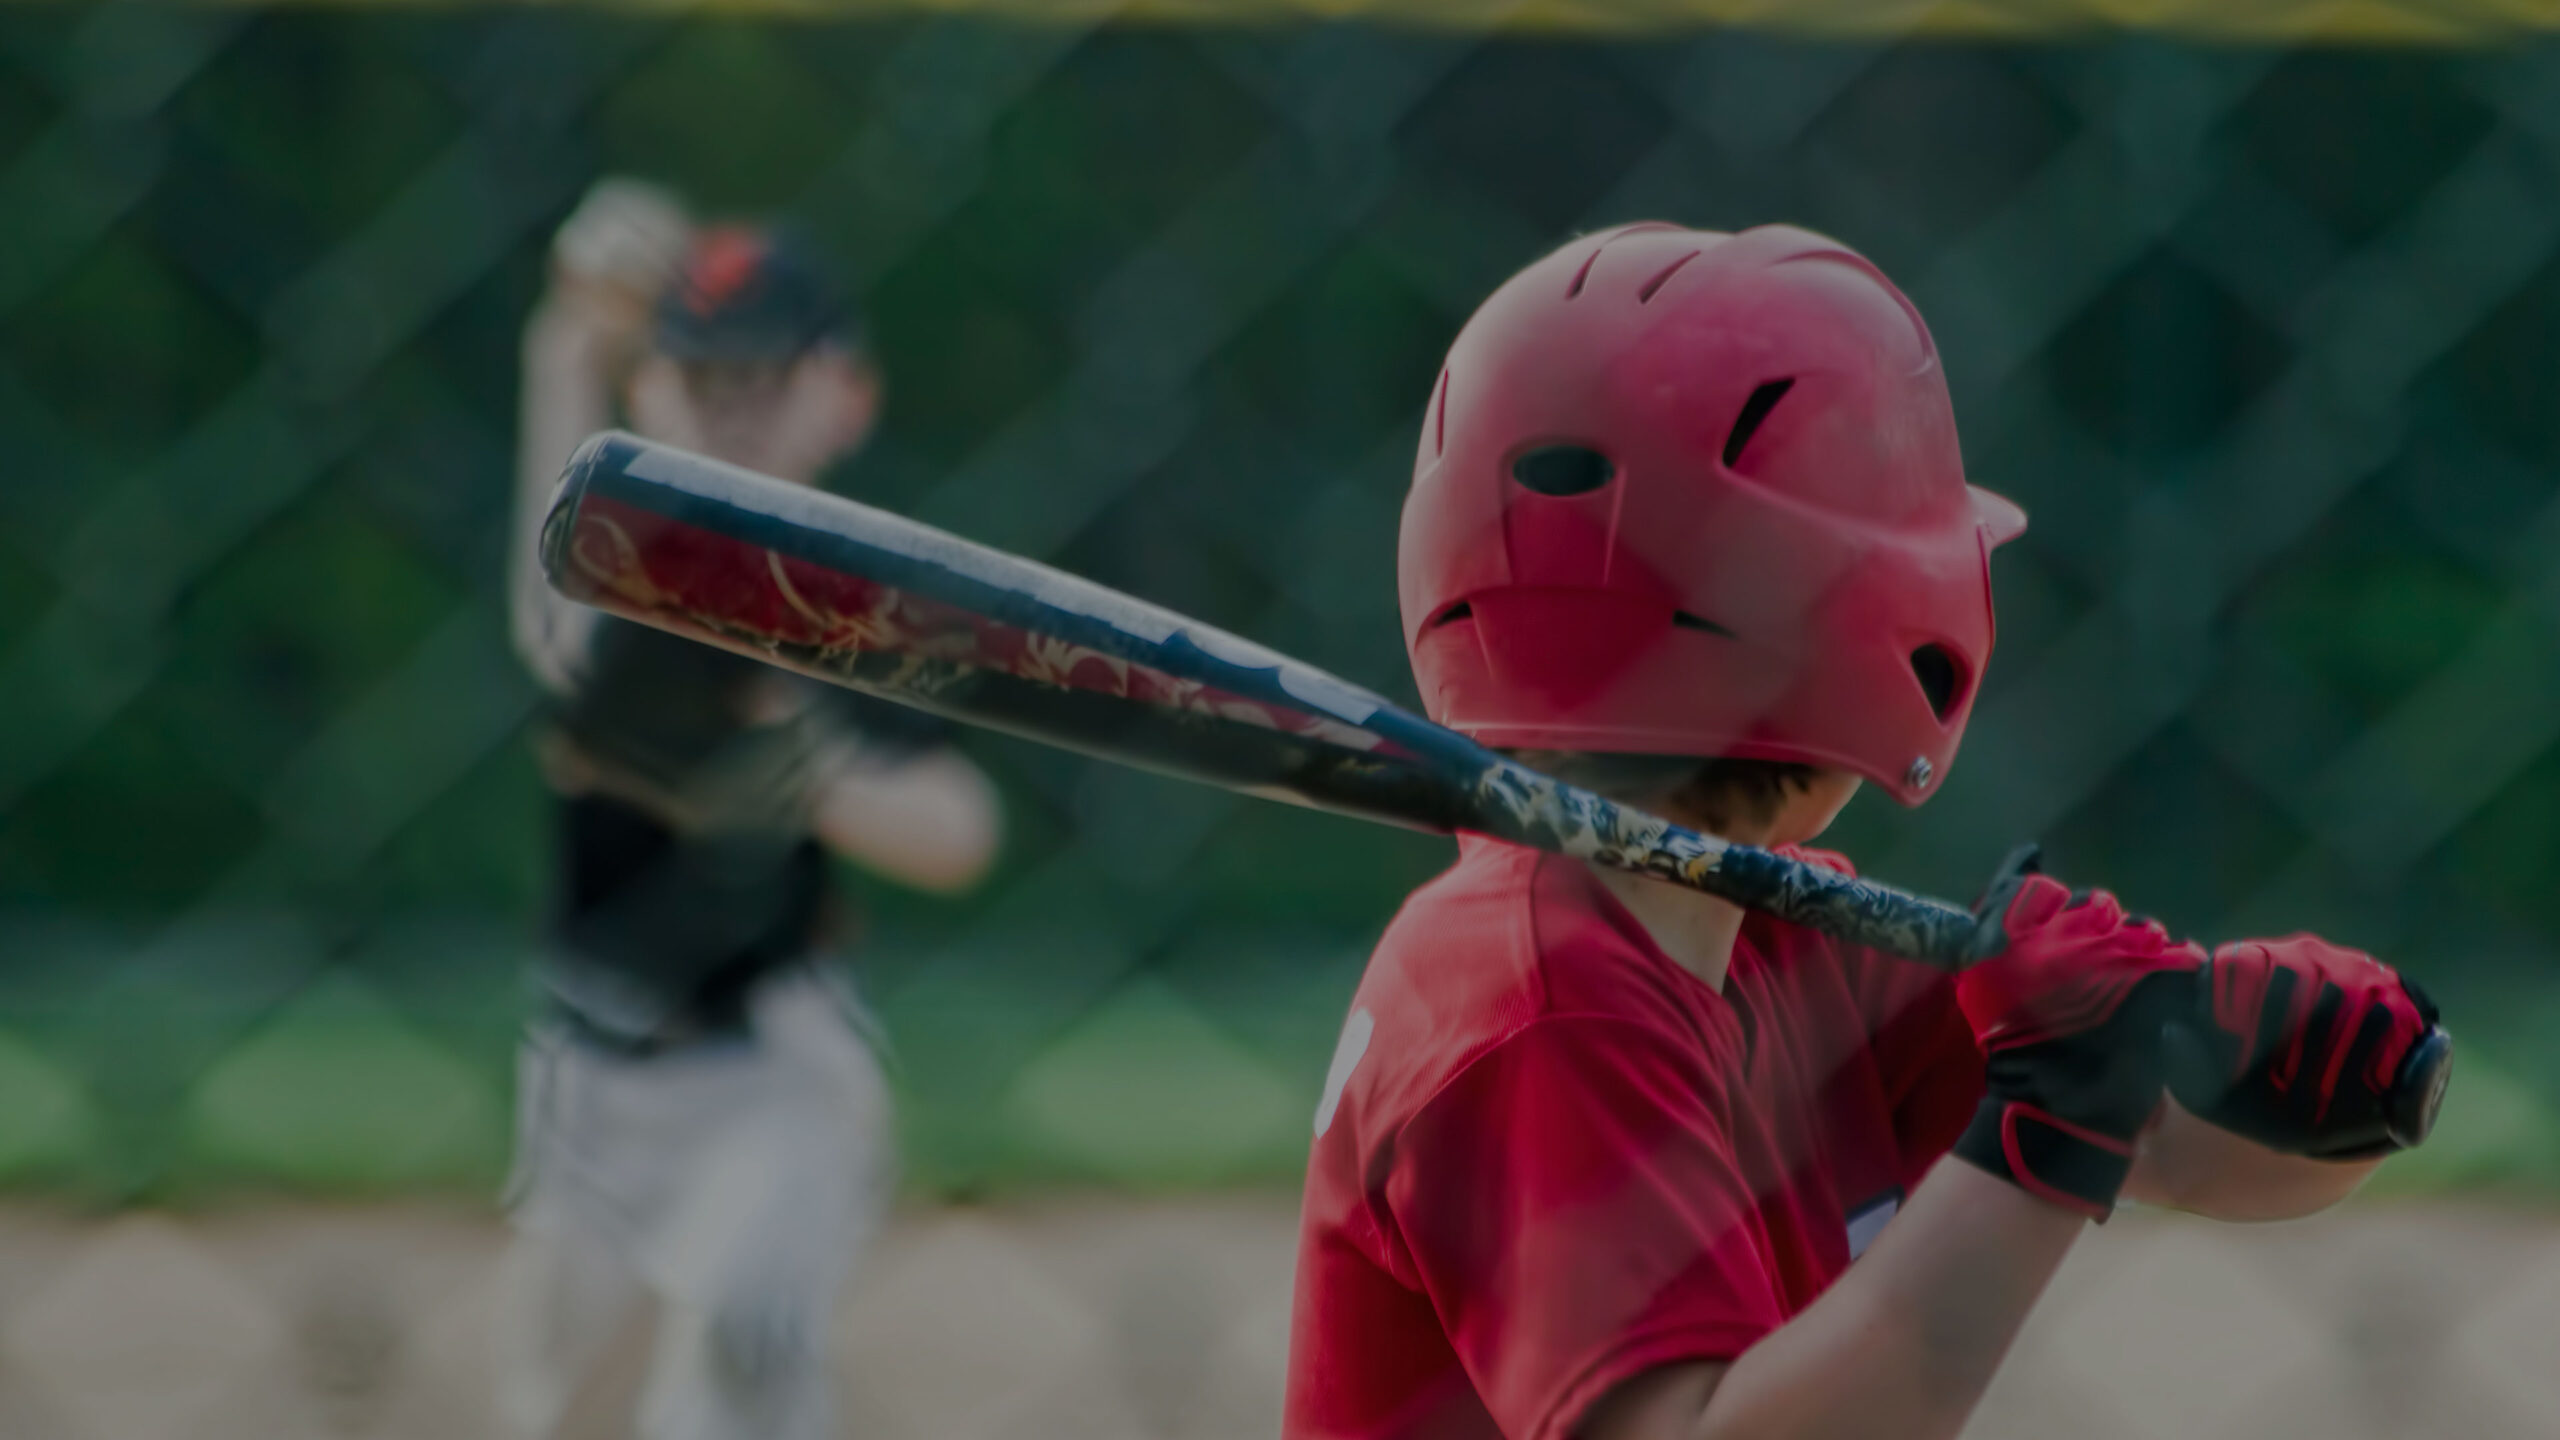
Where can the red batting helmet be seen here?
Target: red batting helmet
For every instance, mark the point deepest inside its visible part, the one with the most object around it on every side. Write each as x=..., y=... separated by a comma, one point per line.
x=1686, y=493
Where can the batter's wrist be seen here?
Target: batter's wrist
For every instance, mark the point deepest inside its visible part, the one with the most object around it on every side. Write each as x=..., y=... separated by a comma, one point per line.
x=2047, y=1156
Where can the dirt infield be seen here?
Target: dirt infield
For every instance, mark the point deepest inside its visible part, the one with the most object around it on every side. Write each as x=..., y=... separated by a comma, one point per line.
x=1110, y=1320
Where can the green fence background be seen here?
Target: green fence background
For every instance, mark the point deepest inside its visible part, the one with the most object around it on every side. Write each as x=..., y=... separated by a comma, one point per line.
x=2267, y=339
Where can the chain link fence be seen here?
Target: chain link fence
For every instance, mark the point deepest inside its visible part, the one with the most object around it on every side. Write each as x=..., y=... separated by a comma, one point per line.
x=2267, y=339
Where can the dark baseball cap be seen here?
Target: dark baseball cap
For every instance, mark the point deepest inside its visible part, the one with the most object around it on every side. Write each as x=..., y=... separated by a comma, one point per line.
x=745, y=294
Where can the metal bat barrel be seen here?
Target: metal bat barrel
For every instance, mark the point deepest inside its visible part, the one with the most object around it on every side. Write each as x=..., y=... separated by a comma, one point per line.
x=857, y=597
x=835, y=589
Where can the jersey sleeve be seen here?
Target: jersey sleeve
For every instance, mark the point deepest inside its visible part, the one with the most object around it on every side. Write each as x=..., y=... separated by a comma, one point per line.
x=1571, y=1204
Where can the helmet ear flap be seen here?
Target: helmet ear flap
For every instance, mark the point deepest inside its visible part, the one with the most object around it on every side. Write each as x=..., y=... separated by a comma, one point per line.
x=1566, y=646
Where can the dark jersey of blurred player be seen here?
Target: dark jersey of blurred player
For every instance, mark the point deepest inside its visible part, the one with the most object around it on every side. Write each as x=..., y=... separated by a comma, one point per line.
x=659, y=931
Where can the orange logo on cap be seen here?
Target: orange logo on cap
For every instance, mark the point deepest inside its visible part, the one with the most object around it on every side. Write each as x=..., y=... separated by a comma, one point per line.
x=724, y=260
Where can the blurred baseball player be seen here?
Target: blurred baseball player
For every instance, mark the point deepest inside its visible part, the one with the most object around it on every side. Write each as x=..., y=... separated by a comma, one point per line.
x=701, y=1117
x=1596, y=1155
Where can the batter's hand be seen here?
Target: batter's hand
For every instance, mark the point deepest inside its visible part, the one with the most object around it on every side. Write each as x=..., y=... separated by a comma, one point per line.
x=2067, y=1000
x=2298, y=1045
x=616, y=252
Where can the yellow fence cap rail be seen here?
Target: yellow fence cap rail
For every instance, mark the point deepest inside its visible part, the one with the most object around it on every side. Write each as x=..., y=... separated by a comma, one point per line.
x=2353, y=22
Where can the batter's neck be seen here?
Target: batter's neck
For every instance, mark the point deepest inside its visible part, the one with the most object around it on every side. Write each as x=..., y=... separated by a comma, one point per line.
x=1697, y=931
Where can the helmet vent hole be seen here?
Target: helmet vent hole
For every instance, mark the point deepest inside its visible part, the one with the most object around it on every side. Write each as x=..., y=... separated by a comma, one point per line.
x=1754, y=411
x=1941, y=679
x=1563, y=469
x=1645, y=295
x=1683, y=620
x=1574, y=289
x=1451, y=616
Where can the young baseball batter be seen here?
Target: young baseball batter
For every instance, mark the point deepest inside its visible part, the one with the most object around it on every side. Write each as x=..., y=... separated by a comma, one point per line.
x=702, y=1120
x=1603, y=1158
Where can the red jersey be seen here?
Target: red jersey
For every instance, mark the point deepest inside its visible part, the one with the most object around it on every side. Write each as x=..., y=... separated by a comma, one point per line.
x=1548, y=1158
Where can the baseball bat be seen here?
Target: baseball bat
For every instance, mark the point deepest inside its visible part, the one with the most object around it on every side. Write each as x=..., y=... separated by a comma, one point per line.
x=833, y=589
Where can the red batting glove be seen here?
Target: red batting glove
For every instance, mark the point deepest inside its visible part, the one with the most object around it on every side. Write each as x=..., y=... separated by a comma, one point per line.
x=2067, y=1004
x=2298, y=1046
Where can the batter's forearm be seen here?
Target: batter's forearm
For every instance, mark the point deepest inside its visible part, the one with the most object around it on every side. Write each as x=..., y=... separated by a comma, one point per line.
x=567, y=396
x=1901, y=1347
x=567, y=392
x=932, y=822
x=2187, y=1164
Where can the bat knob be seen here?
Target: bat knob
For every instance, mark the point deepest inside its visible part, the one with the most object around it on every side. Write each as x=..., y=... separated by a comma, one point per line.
x=2417, y=1093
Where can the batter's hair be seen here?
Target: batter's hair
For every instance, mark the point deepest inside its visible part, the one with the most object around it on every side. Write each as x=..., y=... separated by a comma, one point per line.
x=1722, y=793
